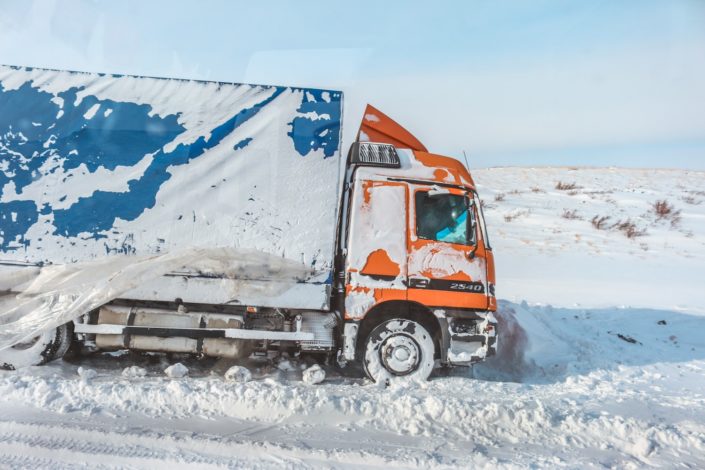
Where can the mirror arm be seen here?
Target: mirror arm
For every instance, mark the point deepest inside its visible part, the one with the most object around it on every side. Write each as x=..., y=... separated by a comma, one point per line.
x=471, y=253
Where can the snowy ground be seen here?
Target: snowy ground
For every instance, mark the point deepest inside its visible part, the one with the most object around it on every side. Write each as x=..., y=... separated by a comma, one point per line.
x=602, y=362
x=544, y=257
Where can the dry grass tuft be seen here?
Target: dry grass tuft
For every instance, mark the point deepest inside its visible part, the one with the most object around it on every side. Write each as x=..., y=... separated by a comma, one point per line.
x=515, y=215
x=600, y=223
x=691, y=200
x=487, y=205
x=561, y=186
x=571, y=215
x=629, y=229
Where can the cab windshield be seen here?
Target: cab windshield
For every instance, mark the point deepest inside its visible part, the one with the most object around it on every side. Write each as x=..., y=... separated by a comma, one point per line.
x=444, y=218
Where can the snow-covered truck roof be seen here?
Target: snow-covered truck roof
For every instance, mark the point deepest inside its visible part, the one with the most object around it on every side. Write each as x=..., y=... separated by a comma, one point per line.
x=95, y=165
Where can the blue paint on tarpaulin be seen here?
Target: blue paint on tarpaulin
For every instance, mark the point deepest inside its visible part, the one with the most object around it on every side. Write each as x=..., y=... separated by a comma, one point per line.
x=319, y=127
x=44, y=133
x=36, y=132
x=99, y=211
x=15, y=219
x=242, y=144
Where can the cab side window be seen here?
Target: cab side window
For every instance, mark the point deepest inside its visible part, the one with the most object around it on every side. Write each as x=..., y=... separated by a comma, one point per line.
x=444, y=218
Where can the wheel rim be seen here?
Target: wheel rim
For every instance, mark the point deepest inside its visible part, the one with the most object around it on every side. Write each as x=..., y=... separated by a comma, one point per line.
x=401, y=354
x=26, y=344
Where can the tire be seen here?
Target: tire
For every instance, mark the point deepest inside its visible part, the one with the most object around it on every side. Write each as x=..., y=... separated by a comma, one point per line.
x=39, y=350
x=399, y=350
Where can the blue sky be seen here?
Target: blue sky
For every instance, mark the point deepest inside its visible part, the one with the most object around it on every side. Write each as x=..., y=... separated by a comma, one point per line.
x=512, y=83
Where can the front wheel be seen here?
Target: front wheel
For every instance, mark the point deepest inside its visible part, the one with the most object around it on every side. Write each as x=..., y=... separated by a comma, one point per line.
x=38, y=350
x=399, y=350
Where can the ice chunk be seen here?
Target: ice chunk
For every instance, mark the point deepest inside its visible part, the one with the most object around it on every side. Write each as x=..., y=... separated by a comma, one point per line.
x=87, y=374
x=176, y=371
x=133, y=372
x=285, y=366
x=238, y=374
x=314, y=375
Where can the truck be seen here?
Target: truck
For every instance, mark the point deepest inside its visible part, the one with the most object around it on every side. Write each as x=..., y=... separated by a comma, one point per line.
x=378, y=256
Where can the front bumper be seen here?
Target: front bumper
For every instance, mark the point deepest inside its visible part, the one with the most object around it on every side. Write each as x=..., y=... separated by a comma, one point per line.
x=468, y=338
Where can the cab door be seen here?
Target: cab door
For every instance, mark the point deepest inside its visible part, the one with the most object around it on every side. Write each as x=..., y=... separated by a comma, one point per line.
x=375, y=268
x=447, y=265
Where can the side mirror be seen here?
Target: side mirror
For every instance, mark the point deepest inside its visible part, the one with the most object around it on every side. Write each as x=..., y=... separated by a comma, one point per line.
x=472, y=226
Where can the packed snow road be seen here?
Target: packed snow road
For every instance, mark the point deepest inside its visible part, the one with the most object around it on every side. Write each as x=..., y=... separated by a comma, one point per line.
x=577, y=388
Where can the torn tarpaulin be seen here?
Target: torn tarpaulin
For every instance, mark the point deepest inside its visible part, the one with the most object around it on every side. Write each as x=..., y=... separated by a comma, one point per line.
x=34, y=300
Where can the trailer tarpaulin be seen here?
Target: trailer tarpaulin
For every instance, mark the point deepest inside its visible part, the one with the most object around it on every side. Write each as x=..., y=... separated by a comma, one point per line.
x=96, y=166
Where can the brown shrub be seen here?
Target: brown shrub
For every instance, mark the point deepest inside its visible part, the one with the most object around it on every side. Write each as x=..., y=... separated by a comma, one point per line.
x=499, y=197
x=666, y=211
x=571, y=215
x=561, y=186
x=514, y=215
x=536, y=189
x=662, y=209
x=600, y=222
x=629, y=229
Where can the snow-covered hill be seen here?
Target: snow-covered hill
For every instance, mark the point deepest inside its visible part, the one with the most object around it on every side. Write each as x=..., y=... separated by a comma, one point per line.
x=601, y=363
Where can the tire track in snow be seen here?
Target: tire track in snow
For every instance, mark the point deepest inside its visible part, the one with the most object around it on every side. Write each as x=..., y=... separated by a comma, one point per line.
x=72, y=446
x=32, y=445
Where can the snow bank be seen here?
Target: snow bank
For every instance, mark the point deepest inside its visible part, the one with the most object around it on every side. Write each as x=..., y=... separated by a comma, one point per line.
x=540, y=344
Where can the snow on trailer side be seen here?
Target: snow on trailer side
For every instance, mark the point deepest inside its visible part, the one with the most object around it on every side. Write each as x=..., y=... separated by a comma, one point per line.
x=95, y=165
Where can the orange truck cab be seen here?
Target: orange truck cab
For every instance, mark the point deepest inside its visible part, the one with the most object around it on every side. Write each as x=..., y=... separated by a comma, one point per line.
x=416, y=269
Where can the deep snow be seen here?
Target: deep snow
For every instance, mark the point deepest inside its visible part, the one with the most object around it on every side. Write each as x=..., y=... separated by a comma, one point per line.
x=602, y=366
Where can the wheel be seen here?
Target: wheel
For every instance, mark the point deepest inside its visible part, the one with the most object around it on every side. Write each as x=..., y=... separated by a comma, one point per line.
x=399, y=350
x=39, y=350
